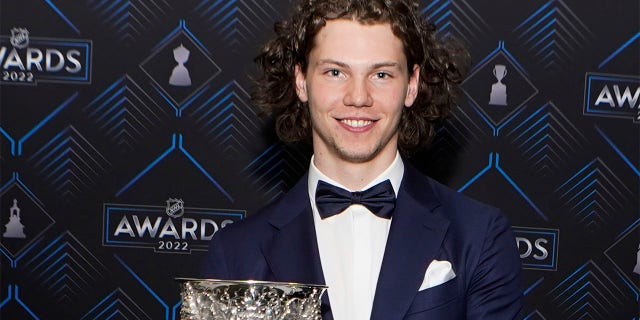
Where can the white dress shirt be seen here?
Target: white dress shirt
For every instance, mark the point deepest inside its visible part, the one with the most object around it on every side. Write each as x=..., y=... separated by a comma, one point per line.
x=351, y=246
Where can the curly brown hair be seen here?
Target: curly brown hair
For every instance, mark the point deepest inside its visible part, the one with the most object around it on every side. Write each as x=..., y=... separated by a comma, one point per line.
x=443, y=65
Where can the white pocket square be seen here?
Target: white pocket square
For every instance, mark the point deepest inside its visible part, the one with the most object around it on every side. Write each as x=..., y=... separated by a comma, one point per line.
x=437, y=273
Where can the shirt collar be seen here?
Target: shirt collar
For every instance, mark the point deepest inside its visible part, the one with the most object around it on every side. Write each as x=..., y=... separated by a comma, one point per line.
x=393, y=173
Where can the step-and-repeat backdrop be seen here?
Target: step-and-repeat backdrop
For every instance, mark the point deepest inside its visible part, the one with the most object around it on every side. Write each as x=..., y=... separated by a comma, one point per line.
x=127, y=139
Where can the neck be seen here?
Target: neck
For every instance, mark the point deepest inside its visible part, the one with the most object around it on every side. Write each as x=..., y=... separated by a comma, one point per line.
x=353, y=175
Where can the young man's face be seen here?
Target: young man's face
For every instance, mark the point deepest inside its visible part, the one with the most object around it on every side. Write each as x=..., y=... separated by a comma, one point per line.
x=356, y=85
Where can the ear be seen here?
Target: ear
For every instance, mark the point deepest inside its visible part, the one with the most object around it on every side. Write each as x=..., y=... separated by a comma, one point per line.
x=412, y=88
x=301, y=84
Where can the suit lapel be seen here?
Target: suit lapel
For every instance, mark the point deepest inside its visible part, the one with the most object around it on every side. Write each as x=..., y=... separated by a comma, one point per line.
x=415, y=237
x=292, y=253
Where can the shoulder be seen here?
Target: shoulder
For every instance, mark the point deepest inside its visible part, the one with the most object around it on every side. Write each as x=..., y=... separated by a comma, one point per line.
x=467, y=216
x=459, y=204
x=251, y=228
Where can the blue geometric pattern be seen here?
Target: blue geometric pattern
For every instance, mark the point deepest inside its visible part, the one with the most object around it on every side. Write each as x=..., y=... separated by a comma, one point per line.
x=531, y=287
x=203, y=71
x=62, y=16
x=176, y=144
x=453, y=140
x=477, y=88
x=588, y=293
x=593, y=194
x=116, y=305
x=535, y=315
x=169, y=310
x=65, y=268
x=236, y=21
x=40, y=220
x=627, y=44
x=546, y=139
x=276, y=170
x=16, y=146
x=460, y=131
x=634, y=168
x=227, y=120
x=125, y=114
x=457, y=18
x=494, y=162
x=129, y=19
x=13, y=293
x=622, y=261
x=553, y=34
x=69, y=163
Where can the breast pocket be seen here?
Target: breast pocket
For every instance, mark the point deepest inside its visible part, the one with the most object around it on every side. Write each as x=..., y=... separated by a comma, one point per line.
x=448, y=293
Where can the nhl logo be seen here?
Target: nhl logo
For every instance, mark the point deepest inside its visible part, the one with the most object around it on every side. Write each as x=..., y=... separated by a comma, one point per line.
x=175, y=208
x=19, y=38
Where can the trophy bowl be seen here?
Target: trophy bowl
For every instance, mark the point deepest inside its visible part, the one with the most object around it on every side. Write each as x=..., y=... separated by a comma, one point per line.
x=214, y=299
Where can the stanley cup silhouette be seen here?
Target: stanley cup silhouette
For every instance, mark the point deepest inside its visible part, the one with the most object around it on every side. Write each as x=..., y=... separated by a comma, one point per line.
x=180, y=75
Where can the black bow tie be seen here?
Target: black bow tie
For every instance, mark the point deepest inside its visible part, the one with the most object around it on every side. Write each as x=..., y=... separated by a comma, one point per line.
x=379, y=199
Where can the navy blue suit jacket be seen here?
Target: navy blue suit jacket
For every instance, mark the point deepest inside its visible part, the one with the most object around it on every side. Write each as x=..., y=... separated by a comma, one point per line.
x=430, y=222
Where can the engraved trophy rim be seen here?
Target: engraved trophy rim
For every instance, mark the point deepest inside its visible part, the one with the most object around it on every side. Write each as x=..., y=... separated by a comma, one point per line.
x=251, y=282
x=210, y=298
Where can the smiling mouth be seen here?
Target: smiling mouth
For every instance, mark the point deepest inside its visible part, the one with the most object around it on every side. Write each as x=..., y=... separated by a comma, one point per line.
x=356, y=123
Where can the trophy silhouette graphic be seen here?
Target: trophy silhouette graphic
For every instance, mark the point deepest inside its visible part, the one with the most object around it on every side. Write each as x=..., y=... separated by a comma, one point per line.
x=15, y=229
x=180, y=75
x=498, y=95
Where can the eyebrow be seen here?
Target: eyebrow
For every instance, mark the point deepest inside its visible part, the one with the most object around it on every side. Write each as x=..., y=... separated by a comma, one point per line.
x=331, y=61
x=386, y=64
x=374, y=66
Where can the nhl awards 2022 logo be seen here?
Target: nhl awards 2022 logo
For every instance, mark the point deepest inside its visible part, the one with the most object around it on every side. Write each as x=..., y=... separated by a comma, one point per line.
x=172, y=228
x=613, y=96
x=538, y=247
x=28, y=60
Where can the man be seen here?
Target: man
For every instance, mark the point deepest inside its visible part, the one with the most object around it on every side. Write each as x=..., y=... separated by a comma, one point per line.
x=365, y=80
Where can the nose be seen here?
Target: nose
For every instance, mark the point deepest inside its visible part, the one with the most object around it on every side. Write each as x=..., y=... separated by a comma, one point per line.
x=358, y=94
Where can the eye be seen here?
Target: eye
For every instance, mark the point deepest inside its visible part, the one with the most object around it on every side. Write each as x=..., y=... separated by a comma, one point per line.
x=334, y=72
x=382, y=75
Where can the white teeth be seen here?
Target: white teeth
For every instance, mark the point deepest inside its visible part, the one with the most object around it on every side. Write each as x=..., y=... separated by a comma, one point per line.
x=356, y=123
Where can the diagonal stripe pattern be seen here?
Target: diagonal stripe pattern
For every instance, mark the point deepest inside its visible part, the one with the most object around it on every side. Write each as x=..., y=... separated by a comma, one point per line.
x=593, y=195
x=126, y=114
x=277, y=169
x=117, y=305
x=237, y=22
x=456, y=18
x=69, y=163
x=65, y=269
x=588, y=293
x=553, y=35
x=227, y=120
x=129, y=19
x=546, y=138
x=459, y=131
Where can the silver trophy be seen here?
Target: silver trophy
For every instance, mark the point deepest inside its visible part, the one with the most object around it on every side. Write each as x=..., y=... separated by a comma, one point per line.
x=498, y=96
x=212, y=299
